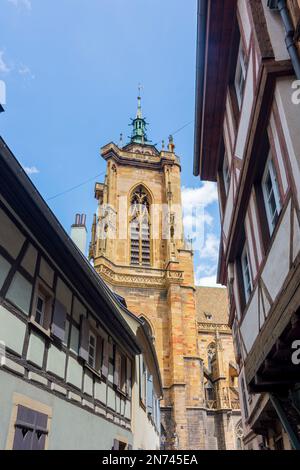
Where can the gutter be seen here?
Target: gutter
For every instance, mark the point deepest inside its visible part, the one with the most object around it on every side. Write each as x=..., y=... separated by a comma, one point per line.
x=200, y=67
x=290, y=34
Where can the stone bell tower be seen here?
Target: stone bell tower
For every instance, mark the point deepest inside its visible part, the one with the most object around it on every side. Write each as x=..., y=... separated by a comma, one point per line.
x=138, y=248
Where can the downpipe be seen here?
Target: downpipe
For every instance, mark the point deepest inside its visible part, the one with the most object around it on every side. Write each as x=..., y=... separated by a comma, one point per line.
x=290, y=34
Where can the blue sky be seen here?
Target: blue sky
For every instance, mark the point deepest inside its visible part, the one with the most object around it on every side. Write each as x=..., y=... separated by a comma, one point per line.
x=71, y=69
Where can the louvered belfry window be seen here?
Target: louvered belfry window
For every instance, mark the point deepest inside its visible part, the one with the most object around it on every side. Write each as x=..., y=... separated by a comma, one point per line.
x=140, y=228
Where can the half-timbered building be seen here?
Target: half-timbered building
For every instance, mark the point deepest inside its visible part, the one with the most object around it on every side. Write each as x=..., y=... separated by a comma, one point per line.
x=247, y=140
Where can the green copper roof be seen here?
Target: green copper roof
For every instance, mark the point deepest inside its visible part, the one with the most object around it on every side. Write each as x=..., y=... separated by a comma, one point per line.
x=139, y=134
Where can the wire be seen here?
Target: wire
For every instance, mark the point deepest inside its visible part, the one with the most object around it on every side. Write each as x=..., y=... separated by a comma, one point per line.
x=178, y=130
x=76, y=187
x=103, y=173
x=183, y=127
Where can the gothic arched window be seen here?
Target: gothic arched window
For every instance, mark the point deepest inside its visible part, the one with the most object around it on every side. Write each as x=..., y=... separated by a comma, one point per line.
x=140, y=244
x=211, y=354
x=209, y=391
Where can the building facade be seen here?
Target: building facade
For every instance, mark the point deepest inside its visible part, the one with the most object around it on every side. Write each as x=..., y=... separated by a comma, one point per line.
x=76, y=372
x=247, y=140
x=138, y=248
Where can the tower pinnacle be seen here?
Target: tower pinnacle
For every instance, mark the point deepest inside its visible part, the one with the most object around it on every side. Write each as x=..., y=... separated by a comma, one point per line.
x=139, y=124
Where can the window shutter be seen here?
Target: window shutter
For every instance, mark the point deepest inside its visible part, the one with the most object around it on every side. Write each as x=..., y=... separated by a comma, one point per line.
x=150, y=394
x=141, y=377
x=158, y=415
x=105, y=359
x=116, y=444
x=30, y=429
x=117, y=371
x=39, y=436
x=128, y=378
x=59, y=320
x=84, y=338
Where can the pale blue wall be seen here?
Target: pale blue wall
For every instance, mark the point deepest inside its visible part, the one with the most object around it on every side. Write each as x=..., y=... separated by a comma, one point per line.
x=71, y=427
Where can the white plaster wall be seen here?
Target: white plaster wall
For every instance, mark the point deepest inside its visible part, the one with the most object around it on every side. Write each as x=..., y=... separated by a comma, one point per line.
x=279, y=154
x=289, y=116
x=10, y=236
x=29, y=260
x=228, y=210
x=74, y=372
x=36, y=348
x=296, y=240
x=245, y=111
x=230, y=121
x=276, y=32
x=227, y=143
x=12, y=331
x=244, y=15
x=56, y=361
x=144, y=434
x=46, y=272
x=277, y=265
x=249, y=326
x=251, y=247
x=256, y=229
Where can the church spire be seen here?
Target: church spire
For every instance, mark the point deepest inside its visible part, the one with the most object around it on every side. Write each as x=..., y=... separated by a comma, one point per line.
x=139, y=135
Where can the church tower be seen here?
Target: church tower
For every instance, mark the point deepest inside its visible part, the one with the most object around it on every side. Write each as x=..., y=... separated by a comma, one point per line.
x=138, y=248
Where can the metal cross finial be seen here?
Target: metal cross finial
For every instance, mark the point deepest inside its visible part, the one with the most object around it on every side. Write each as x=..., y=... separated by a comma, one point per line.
x=140, y=88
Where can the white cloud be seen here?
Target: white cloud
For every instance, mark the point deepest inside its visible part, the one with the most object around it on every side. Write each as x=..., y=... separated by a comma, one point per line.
x=31, y=170
x=3, y=66
x=195, y=213
x=205, y=195
x=25, y=71
x=191, y=222
x=210, y=249
x=210, y=281
x=21, y=3
x=205, y=273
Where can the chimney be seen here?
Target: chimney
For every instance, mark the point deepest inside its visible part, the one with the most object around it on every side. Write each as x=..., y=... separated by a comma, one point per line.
x=79, y=232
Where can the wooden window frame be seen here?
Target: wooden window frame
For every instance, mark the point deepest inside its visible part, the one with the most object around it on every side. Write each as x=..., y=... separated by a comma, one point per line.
x=246, y=267
x=42, y=289
x=270, y=171
x=94, y=357
x=240, y=74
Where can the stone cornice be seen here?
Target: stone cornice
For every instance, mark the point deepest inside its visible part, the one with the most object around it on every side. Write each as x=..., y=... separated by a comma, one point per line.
x=144, y=160
x=119, y=275
x=209, y=327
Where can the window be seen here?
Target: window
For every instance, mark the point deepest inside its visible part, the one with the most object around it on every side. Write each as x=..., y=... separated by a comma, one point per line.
x=30, y=430
x=92, y=350
x=226, y=174
x=208, y=316
x=40, y=308
x=245, y=404
x=140, y=228
x=271, y=194
x=209, y=392
x=240, y=75
x=211, y=354
x=247, y=279
x=239, y=434
x=143, y=381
